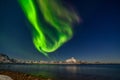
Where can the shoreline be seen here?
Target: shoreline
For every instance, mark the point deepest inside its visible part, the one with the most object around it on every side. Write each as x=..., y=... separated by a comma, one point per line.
x=64, y=63
x=21, y=76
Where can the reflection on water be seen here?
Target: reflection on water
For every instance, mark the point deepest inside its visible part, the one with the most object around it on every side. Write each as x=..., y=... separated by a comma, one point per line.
x=72, y=69
x=68, y=72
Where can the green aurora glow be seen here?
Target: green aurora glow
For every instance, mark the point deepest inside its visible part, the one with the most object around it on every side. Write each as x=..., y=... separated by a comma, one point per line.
x=48, y=36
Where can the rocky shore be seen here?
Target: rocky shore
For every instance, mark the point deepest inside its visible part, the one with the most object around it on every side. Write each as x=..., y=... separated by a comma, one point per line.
x=21, y=76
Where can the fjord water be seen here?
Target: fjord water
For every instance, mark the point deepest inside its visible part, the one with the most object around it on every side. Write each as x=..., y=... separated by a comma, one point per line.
x=68, y=72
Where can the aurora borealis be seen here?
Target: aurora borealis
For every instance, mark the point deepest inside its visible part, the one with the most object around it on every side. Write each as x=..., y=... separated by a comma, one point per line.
x=95, y=38
x=56, y=29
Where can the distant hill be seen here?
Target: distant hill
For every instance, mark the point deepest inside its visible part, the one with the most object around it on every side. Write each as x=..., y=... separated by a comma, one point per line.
x=5, y=59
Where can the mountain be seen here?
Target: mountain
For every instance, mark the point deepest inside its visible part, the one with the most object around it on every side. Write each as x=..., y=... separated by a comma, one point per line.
x=5, y=59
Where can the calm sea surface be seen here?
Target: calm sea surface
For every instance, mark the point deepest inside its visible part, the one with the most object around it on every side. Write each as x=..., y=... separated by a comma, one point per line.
x=68, y=72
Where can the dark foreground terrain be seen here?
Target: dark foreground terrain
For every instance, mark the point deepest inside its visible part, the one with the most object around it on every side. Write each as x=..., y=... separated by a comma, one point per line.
x=21, y=76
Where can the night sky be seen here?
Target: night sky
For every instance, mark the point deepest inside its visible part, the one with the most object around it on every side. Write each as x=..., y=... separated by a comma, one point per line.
x=96, y=37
